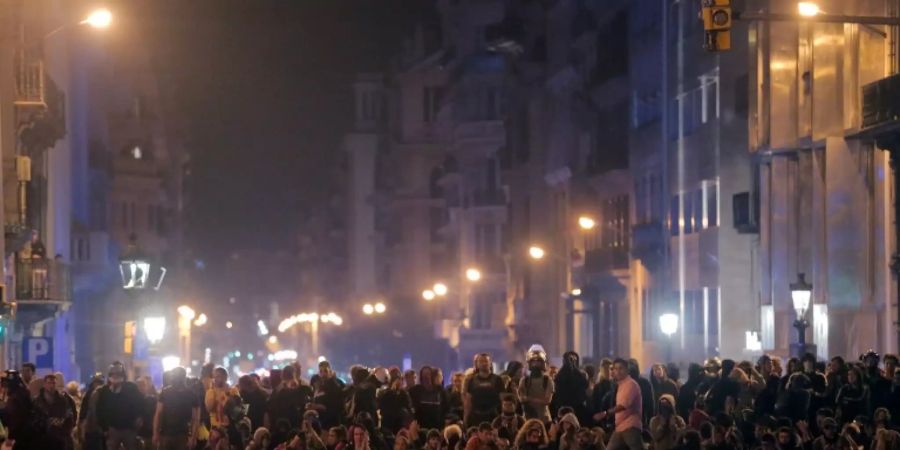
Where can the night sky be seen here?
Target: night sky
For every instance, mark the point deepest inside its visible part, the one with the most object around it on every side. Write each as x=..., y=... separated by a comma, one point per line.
x=266, y=88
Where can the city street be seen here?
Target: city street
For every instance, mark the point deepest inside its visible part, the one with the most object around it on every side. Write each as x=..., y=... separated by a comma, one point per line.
x=450, y=224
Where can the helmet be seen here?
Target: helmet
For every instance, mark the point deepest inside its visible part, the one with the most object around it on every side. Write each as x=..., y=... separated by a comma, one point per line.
x=870, y=354
x=536, y=353
x=712, y=363
x=116, y=369
x=381, y=374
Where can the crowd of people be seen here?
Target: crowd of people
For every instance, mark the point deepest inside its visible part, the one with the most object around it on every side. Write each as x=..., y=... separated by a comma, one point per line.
x=804, y=404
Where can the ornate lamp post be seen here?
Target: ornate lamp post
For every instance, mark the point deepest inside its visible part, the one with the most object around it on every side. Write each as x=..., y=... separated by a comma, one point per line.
x=801, y=294
x=668, y=324
x=138, y=271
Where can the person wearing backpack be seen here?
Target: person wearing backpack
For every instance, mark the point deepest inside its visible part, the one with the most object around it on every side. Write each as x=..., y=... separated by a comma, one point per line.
x=536, y=389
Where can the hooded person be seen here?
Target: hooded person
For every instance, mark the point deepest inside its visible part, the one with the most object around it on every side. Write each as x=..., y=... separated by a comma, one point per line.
x=512, y=375
x=687, y=395
x=536, y=388
x=571, y=386
x=568, y=428
x=666, y=425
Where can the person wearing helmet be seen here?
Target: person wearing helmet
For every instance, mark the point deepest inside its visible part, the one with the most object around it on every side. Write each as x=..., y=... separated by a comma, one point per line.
x=536, y=388
x=177, y=418
x=879, y=386
x=18, y=412
x=119, y=408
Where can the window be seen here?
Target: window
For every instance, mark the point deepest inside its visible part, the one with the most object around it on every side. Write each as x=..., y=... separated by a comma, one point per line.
x=693, y=312
x=697, y=195
x=711, y=194
x=431, y=103
x=709, y=98
x=674, y=216
x=688, y=217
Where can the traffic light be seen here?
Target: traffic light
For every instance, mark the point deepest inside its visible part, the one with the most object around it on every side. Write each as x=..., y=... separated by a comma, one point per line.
x=717, y=16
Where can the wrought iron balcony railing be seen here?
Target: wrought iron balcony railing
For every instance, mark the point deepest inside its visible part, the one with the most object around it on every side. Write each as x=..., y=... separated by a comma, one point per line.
x=30, y=79
x=42, y=280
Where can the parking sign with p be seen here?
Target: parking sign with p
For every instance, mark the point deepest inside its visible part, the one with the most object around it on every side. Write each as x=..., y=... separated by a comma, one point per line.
x=38, y=351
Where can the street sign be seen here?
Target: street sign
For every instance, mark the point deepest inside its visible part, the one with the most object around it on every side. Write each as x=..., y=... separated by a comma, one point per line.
x=38, y=351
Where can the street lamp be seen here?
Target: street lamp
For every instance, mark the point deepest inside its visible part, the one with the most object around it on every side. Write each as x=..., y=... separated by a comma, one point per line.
x=368, y=309
x=586, y=223
x=137, y=271
x=440, y=289
x=801, y=293
x=536, y=252
x=808, y=9
x=201, y=320
x=229, y=324
x=186, y=312
x=668, y=324
x=576, y=292
x=427, y=294
x=100, y=18
x=155, y=329
x=380, y=308
x=473, y=274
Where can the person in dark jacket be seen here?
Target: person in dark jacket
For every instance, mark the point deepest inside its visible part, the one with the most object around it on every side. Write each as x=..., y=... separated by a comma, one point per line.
x=648, y=404
x=429, y=400
x=723, y=392
x=687, y=395
x=797, y=401
x=59, y=410
x=767, y=397
x=571, y=386
x=119, y=406
x=602, y=386
x=394, y=405
x=91, y=434
x=853, y=398
x=328, y=399
x=18, y=413
x=662, y=384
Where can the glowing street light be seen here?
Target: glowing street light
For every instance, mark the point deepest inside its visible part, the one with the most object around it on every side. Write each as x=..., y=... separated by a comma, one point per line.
x=201, y=320
x=428, y=295
x=229, y=324
x=170, y=362
x=100, y=18
x=368, y=309
x=586, y=223
x=801, y=294
x=576, y=292
x=273, y=339
x=536, y=252
x=380, y=308
x=808, y=9
x=440, y=289
x=155, y=328
x=186, y=312
x=473, y=274
x=668, y=324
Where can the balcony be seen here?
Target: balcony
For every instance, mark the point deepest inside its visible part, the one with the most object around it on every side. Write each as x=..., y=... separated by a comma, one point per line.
x=606, y=260
x=488, y=198
x=42, y=281
x=648, y=243
x=30, y=80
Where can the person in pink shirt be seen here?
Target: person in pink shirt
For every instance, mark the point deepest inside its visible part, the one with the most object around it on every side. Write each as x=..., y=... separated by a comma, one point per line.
x=627, y=435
